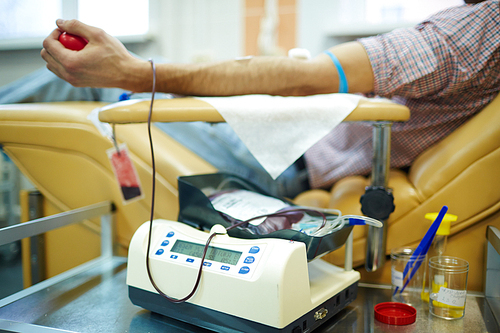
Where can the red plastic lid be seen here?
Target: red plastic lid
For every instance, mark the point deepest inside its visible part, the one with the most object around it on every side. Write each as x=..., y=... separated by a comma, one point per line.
x=394, y=313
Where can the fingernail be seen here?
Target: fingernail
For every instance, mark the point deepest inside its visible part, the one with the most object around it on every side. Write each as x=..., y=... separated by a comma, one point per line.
x=59, y=21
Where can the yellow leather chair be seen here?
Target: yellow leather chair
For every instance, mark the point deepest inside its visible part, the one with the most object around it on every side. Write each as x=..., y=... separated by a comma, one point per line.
x=462, y=171
x=62, y=153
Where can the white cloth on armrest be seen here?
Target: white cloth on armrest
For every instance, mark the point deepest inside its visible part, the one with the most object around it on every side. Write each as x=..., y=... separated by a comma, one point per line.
x=278, y=130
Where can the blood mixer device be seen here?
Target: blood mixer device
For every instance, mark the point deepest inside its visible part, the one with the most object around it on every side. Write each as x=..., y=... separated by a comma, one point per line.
x=247, y=285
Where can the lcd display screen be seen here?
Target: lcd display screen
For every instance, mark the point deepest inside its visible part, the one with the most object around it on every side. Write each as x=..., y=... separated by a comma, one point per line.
x=213, y=253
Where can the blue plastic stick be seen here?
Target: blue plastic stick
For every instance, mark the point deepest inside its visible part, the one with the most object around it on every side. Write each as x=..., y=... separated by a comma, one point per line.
x=422, y=249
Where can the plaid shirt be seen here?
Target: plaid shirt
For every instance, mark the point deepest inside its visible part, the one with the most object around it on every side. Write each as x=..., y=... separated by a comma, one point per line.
x=446, y=69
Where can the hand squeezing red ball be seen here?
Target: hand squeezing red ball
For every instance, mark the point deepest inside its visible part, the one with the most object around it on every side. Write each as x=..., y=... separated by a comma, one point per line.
x=72, y=42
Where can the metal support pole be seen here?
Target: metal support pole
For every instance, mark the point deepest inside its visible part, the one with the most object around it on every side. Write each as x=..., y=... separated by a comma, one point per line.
x=106, y=236
x=348, y=253
x=376, y=240
x=37, y=242
x=44, y=224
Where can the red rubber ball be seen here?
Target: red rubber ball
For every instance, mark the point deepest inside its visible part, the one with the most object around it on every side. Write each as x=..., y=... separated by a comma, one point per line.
x=72, y=42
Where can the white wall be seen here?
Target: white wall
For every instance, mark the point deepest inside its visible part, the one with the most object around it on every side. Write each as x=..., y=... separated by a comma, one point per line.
x=325, y=23
x=196, y=30
x=181, y=31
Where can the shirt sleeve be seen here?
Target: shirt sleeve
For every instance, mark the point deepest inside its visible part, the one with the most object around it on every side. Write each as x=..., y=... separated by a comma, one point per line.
x=438, y=55
x=403, y=63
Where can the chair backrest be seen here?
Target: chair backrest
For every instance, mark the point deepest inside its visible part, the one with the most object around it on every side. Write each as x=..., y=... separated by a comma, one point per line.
x=463, y=170
x=63, y=154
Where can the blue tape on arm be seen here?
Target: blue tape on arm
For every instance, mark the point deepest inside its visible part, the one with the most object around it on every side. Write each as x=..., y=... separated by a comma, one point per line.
x=343, y=86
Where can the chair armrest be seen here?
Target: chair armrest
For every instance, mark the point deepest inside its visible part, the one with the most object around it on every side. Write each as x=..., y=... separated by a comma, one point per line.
x=191, y=109
x=61, y=112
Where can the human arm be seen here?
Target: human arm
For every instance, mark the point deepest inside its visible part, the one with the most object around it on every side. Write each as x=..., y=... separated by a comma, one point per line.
x=105, y=62
x=271, y=75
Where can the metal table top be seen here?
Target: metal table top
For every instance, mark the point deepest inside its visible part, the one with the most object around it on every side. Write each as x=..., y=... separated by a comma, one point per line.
x=95, y=299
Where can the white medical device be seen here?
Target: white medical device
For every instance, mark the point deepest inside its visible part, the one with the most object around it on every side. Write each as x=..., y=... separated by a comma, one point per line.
x=247, y=285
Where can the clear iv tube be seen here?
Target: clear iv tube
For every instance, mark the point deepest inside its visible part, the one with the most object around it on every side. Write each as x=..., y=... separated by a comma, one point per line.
x=341, y=221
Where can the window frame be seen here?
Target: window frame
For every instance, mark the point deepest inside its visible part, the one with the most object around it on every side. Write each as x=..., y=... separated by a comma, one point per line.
x=69, y=10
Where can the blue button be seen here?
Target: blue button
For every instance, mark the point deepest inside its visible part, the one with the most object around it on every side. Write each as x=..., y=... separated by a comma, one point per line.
x=224, y=267
x=160, y=251
x=254, y=249
x=165, y=243
x=174, y=256
x=249, y=260
x=190, y=260
x=244, y=270
x=170, y=234
x=208, y=264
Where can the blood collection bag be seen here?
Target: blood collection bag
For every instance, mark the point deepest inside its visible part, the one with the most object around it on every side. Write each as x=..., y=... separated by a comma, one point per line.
x=239, y=205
